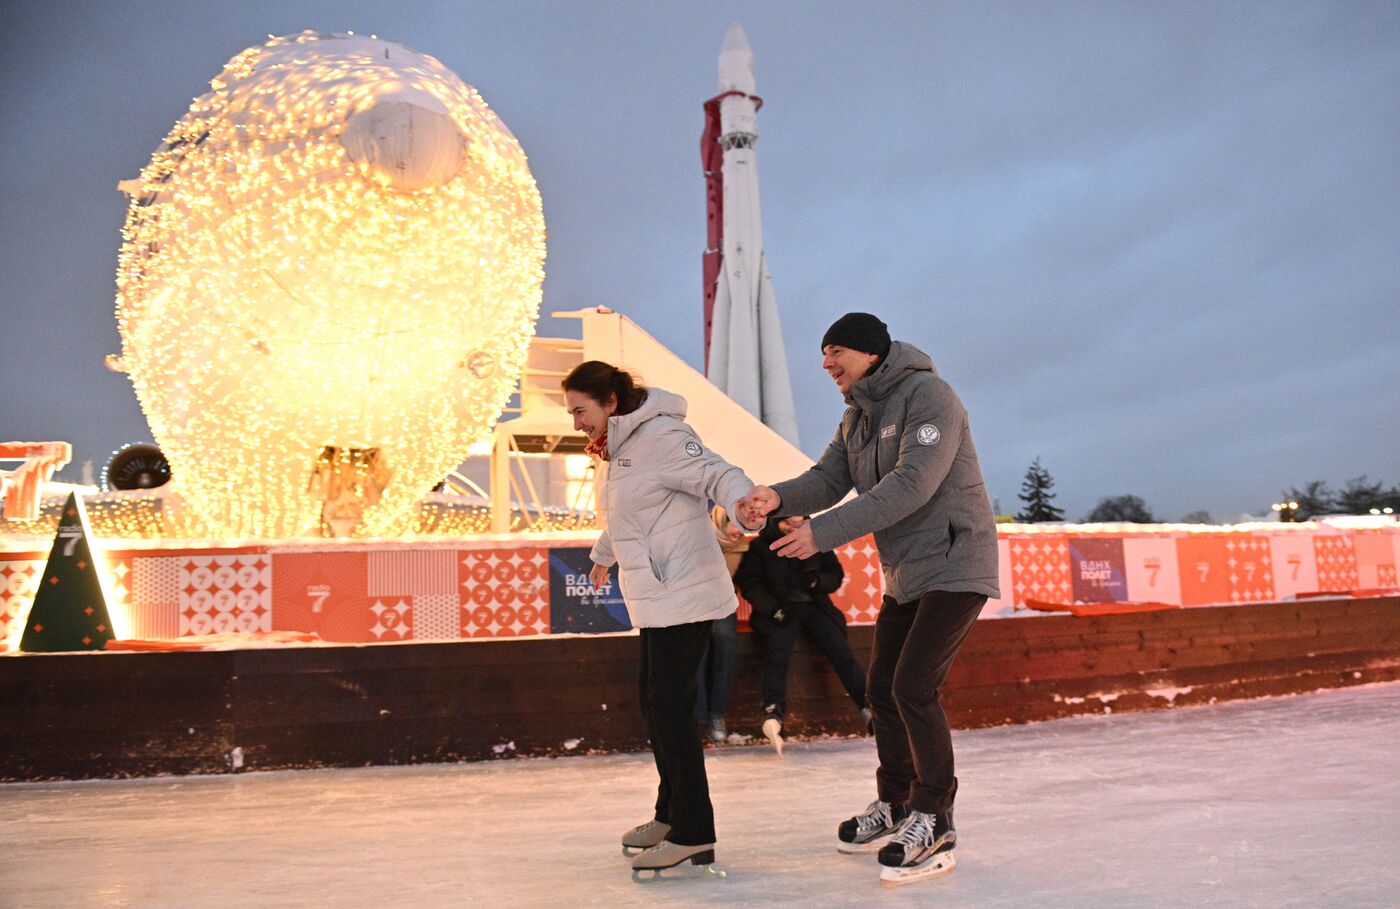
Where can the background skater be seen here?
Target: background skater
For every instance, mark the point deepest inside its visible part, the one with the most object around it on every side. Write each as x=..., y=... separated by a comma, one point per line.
x=788, y=595
x=905, y=445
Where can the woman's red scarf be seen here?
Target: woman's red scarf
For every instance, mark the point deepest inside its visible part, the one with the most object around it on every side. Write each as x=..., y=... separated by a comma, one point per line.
x=598, y=447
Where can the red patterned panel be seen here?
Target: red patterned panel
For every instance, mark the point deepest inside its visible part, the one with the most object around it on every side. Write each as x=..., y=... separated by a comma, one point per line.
x=1375, y=560
x=860, y=594
x=327, y=592
x=1040, y=569
x=1336, y=562
x=505, y=592
x=154, y=610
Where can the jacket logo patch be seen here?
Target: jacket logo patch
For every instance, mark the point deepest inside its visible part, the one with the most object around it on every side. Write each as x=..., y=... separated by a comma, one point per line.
x=624, y=462
x=888, y=431
x=693, y=448
x=929, y=434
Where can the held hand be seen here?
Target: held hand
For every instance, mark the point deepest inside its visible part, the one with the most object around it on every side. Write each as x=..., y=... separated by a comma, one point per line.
x=742, y=518
x=598, y=575
x=763, y=501
x=796, y=545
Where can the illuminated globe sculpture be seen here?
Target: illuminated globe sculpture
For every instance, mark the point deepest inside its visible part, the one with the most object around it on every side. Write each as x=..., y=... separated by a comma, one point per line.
x=330, y=275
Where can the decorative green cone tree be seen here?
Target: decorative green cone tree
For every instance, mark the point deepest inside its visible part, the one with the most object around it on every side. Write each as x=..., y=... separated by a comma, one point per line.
x=70, y=610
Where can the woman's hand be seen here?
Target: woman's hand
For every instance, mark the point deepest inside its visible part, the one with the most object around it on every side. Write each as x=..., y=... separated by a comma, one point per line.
x=598, y=576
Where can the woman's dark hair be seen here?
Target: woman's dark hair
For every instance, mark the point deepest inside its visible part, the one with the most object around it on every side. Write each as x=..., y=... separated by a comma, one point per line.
x=601, y=381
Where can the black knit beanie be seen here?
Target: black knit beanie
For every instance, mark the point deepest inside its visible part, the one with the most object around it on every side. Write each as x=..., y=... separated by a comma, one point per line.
x=859, y=331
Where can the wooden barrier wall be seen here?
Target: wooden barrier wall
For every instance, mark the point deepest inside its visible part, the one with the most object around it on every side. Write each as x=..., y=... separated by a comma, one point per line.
x=142, y=714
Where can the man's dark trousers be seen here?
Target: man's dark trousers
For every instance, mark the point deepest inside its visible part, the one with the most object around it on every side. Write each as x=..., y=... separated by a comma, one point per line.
x=915, y=644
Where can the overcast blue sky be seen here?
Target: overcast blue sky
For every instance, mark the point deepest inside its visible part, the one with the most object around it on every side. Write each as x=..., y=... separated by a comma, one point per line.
x=1155, y=244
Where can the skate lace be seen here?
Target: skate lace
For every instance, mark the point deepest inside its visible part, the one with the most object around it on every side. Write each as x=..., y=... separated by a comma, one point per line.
x=877, y=814
x=643, y=828
x=917, y=829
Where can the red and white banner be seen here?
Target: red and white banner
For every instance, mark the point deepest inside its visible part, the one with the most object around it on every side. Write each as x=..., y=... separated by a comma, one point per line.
x=365, y=592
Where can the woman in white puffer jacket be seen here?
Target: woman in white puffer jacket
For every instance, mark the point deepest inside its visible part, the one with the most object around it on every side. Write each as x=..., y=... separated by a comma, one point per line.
x=655, y=500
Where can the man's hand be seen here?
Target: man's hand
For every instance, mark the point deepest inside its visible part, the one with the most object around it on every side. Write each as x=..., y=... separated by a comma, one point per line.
x=598, y=575
x=763, y=501
x=796, y=545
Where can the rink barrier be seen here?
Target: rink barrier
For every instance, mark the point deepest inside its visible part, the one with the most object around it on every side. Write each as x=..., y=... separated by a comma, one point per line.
x=380, y=591
x=121, y=714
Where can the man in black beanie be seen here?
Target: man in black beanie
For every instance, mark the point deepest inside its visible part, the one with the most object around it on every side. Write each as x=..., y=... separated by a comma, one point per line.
x=905, y=447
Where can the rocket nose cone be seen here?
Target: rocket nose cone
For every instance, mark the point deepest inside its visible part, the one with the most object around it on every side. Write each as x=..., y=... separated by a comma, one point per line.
x=407, y=145
x=736, y=62
x=736, y=40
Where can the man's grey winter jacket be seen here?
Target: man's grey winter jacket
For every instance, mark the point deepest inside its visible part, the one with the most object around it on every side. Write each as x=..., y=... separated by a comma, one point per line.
x=660, y=480
x=905, y=446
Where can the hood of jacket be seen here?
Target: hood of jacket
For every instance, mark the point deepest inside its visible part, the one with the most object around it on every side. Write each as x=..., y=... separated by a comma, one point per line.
x=902, y=360
x=659, y=403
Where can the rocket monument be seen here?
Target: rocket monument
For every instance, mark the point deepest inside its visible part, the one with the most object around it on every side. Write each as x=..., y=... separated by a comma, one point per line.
x=744, y=354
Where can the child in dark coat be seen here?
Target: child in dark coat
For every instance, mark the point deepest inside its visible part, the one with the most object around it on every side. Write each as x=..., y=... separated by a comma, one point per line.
x=787, y=594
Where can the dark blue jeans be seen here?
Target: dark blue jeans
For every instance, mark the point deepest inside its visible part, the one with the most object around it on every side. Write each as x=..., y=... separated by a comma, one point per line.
x=717, y=670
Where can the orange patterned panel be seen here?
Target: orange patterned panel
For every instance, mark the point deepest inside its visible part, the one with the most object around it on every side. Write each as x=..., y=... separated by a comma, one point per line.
x=1336, y=562
x=1250, y=560
x=861, y=592
x=505, y=592
x=19, y=579
x=1040, y=569
x=225, y=593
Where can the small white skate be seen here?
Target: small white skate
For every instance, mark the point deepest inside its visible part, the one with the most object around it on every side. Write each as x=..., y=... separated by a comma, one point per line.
x=937, y=864
x=672, y=857
x=773, y=731
x=644, y=836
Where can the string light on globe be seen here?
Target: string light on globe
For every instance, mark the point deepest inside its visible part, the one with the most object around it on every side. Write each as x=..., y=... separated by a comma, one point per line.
x=340, y=247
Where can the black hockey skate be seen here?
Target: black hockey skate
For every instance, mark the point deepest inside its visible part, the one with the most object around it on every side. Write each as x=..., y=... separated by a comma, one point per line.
x=921, y=848
x=867, y=831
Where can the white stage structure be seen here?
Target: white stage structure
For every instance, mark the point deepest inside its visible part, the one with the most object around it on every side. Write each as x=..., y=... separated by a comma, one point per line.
x=744, y=354
x=544, y=427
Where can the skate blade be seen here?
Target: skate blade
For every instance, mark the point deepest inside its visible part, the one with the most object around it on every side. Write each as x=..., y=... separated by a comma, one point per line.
x=697, y=867
x=861, y=848
x=939, y=864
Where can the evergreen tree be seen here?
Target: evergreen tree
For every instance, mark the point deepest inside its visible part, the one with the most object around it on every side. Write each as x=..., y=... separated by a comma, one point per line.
x=1121, y=508
x=1360, y=496
x=1035, y=492
x=1314, y=499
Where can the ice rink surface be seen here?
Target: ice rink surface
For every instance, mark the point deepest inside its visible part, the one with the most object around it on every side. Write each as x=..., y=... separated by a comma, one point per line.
x=1271, y=803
